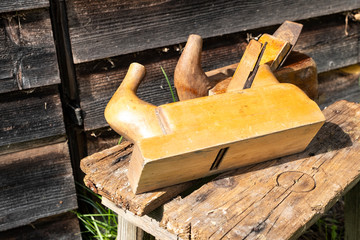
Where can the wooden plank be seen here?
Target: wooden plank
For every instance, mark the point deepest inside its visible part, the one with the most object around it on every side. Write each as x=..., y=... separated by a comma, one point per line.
x=30, y=115
x=352, y=213
x=130, y=26
x=19, y=5
x=329, y=52
x=98, y=80
x=35, y=183
x=145, y=222
x=63, y=226
x=273, y=200
x=102, y=165
x=128, y=231
x=339, y=84
x=101, y=139
x=27, y=51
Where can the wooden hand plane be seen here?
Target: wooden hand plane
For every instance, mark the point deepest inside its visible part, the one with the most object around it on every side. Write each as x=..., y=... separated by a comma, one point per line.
x=194, y=138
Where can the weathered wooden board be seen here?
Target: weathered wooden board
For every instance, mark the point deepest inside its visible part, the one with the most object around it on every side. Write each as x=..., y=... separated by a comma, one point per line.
x=109, y=28
x=98, y=80
x=18, y=5
x=339, y=84
x=273, y=200
x=30, y=115
x=27, y=51
x=330, y=51
x=34, y=184
x=101, y=139
x=63, y=226
x=101, y=169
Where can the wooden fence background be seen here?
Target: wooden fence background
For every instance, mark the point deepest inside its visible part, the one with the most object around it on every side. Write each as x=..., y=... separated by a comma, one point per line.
x=36, y=176
x=53, y=92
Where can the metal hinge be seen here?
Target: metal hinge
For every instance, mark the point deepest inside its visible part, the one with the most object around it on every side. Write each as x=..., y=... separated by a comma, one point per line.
x=75, y=114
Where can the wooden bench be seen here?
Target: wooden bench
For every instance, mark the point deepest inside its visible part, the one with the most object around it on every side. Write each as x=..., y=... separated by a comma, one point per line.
x=277, y=199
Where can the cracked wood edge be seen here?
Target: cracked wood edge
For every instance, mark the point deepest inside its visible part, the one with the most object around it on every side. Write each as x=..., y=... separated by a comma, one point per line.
x=103, y=167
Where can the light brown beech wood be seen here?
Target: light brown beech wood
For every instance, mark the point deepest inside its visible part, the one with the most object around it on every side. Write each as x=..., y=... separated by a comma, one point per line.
x=101, y=167
x=279, y=119
x=299, y=69
x=127, y=114
x=189, y=78
x=268, y=116
x=275, y=52
x=245, y=66
x=270, y=50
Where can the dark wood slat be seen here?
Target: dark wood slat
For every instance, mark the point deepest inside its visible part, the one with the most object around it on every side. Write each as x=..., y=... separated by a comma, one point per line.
x=30, y=115
x=100, y=29
x=34, y=184
x=101, y=139
x=63, y=226
x=339, y=84
x=324, y=40
x=27, y=51
x=17, y=5
x=98, y=80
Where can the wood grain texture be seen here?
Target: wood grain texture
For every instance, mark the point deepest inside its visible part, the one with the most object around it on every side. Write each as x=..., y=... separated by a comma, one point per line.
x=101, y=168
x=35, y=183
x=18, y=5
x=30, y=115
x=277, y=199
x=299, y=69
x=98, y=80
x=63, y=226
x=329, y=51
x=339, y=84
x=27, y=51
x=279, y=119
x=109, y=28
x=128, y=231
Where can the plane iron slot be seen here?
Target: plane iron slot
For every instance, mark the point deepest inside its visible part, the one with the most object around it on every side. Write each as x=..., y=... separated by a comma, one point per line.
x=219, y=157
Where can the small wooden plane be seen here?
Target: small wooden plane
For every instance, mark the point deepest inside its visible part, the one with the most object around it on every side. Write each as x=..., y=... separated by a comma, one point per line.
x=256, y=119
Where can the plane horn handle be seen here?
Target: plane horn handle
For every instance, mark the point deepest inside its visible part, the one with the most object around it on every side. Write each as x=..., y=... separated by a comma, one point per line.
x=189, y=78
x=127, y=114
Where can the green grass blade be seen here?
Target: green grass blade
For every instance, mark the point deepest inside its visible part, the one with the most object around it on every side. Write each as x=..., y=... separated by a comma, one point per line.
x=97, y=229
x=168, y=82
x=120, y=139
x=87, y=189
x=102, y=224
